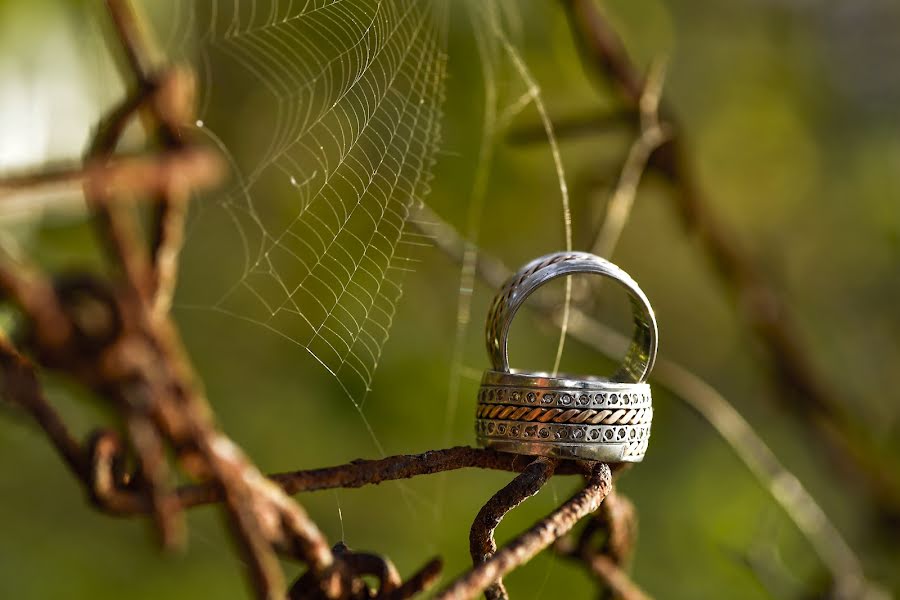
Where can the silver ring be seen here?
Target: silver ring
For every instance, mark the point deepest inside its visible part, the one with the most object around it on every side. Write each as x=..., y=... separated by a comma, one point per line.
x=641, y=354
x=567, y=416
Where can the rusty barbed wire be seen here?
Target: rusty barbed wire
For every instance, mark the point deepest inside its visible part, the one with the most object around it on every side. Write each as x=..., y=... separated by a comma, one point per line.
x=608, y=557
x=539, y=537
x=116, y=337
x=482, y=545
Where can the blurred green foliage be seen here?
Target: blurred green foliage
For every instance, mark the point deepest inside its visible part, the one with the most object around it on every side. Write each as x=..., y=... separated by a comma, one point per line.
x=792, y=113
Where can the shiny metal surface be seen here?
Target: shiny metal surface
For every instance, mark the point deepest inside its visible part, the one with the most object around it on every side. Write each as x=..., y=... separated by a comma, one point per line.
x=581, y=417
x=641, y=354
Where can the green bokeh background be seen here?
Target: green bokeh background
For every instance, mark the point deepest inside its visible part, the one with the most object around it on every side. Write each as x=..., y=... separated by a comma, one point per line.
x=791, y=110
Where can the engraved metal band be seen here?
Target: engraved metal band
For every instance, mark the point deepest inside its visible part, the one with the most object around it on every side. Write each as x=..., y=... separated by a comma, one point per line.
x=541, y=390
x=565, y=416
x=608, y=443
x=641, y=354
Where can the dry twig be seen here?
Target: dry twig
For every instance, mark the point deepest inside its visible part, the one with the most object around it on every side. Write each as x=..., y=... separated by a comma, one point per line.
x=651, y=136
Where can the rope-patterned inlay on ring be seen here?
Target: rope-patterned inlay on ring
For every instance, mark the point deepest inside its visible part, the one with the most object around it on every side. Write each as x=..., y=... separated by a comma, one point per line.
x=637, y=449
x=621, y=416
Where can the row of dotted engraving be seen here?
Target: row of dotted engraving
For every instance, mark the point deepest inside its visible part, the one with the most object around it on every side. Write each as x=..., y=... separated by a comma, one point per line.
x=525, y=396
x=601, y=434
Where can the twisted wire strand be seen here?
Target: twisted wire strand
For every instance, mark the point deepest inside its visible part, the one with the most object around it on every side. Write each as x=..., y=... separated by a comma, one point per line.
x=623, y=416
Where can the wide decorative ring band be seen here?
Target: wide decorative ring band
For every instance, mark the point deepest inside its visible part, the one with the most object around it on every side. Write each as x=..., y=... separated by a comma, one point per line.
x=567, y=417
x=641, y=354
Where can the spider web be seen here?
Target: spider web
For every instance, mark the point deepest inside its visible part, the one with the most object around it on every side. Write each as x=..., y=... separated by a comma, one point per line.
x=341, y=117
x=331, y=123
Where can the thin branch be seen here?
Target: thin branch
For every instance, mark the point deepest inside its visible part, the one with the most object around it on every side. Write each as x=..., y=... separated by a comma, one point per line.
x=652, y=135
x=602, y=50
x=526, y=545
x=482, y=544
x=574, y=127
